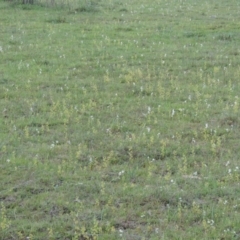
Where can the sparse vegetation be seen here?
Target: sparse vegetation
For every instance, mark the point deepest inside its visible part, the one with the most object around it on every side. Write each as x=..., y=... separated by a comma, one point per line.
x=119, y=120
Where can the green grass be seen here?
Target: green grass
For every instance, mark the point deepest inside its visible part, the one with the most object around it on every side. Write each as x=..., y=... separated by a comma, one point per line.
x=120, y=120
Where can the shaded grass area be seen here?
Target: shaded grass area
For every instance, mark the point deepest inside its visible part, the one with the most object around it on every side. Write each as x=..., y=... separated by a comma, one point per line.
x=120, y=123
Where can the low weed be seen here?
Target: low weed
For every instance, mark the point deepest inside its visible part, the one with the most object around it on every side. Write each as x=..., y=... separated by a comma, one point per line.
x=119, y=120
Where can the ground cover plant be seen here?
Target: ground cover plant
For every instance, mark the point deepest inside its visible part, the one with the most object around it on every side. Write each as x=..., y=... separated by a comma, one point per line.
x=120, y=119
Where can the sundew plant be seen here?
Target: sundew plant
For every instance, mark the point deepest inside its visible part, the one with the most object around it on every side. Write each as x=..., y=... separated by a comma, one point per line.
x=119, y=120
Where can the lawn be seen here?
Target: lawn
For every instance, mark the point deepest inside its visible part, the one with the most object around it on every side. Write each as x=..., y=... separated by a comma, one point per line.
x=120, y=120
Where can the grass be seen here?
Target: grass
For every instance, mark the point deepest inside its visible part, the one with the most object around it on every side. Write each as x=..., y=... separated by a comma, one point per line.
x=120, y=120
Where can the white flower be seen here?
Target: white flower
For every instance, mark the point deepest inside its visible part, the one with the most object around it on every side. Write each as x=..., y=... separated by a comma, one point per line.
x=149, y=110
x=227, y=163
x=121, y=173
x=120, y=232
x=210, y=222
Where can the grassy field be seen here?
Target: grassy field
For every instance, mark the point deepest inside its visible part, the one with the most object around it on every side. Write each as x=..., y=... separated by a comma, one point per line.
x=120, y=120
